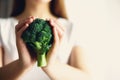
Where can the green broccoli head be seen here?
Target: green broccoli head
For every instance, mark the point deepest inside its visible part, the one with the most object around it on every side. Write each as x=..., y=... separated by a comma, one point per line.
x=39, y=39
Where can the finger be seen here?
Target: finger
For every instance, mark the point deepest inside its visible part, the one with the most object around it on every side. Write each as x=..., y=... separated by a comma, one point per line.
x=52, y=52
x=57, y=28
x=18, y=26
x=28, y=20
x=60, y=26
x=56, y=37
x=23, y=20
x=60, y=32
x=21, y=24
x=19, y=33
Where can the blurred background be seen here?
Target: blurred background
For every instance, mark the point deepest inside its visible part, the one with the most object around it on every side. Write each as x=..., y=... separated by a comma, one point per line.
x=98, y=27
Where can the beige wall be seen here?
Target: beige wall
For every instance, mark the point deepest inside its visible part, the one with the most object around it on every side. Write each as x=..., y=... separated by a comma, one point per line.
x=98, y=22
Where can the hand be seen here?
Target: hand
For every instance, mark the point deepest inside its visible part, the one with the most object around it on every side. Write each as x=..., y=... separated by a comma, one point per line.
x=58, y=32
x=25, y=58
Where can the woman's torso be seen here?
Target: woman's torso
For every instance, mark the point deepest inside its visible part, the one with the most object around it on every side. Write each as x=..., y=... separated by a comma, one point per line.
x=7, y=32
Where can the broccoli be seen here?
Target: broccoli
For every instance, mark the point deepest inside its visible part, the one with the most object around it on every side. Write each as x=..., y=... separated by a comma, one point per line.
x=38, y=38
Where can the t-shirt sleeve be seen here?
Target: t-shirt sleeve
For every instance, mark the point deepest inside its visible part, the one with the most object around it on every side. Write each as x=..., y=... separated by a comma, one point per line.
x=0, y=42
x=77, y=37
x=0, y=37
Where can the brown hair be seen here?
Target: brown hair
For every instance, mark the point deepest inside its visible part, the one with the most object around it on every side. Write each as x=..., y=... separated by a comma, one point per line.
x=57, y=8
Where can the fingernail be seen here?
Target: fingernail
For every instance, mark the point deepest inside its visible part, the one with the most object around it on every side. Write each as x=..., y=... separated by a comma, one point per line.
x=26, y=25
x=30, y=20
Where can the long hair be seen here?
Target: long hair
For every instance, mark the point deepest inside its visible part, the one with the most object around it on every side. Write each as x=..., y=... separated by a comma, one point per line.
x=57, y=8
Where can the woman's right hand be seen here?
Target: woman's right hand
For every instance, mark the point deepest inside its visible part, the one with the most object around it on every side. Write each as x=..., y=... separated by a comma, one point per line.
x=25, y=59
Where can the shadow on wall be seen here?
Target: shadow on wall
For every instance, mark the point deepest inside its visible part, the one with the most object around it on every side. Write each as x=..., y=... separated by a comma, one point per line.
x=5, y=8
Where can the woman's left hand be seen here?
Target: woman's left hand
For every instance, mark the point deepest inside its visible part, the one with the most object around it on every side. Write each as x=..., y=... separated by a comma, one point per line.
x=58, y=32
x=57, y=70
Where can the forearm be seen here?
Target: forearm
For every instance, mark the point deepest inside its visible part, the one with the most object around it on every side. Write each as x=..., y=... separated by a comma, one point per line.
x=65, y=72
x=12, y=71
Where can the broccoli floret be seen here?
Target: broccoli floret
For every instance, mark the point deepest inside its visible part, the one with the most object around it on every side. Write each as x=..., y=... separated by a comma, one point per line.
x=39, y=39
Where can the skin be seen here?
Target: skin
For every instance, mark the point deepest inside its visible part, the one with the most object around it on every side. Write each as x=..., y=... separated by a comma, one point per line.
x=75, y=70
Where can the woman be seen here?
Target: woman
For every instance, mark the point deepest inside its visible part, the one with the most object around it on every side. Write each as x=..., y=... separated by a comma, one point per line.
x=64, y=58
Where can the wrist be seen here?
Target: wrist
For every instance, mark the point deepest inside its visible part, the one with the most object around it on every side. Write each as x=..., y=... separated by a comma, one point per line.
x=23, y=65
x=51, y=70
x=50, y=67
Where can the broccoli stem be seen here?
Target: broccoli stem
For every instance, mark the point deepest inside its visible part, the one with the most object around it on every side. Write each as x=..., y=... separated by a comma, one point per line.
x=41, y=60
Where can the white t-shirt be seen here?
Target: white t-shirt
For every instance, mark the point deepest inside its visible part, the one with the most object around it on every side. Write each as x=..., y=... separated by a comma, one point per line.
x=8, y=42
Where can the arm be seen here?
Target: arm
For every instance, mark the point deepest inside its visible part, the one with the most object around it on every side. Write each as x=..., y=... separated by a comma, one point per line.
x=14, y=70
x=1, y=56
x=11, y=71
x=74, y=71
